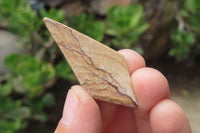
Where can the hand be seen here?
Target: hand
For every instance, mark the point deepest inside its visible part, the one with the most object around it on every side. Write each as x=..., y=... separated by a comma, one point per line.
x=155, y=112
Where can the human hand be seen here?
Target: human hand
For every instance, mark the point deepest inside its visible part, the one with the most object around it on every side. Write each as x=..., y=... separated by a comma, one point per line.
x=155, y=112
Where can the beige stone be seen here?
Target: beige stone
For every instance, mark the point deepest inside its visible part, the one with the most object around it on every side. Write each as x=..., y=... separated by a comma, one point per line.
x=101, y=71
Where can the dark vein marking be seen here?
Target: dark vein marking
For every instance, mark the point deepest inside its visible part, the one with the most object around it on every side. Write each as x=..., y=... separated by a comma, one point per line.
x=90, y=62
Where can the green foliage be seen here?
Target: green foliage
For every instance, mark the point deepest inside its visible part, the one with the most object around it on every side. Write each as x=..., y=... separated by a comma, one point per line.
x=21, y=18
x=184, y=36
x=12, y=112
x=48, y=100
x=23, y=95
x=26, y=22
x=87, y=25
x=27, y=78
x=37, y=105
x=125, y=24
x=63, y=70
x=30, y=72
x=191, y=11
x=5, y=89
x=7, y=7
x=182, y=42
x=13, y=115
x=54, y=14
x=192, y=6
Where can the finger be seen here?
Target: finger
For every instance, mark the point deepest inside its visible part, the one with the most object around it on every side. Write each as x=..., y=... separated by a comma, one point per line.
x=81, y=113
x=150, y=87
x=122, y=122
x=107, y=112
x=167, y=117
x=134, y=61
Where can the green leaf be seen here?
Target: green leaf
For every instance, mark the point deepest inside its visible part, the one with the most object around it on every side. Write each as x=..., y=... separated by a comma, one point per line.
x=7, y=105
x=11, y=61
x=30, y=74
x=141, y=28
x=182, y=41
x=47, y=72
x=8, y=6
x=126, y=24
x=111, y=32
x=53, y=13
x=8, y=126
x=191, y=12
x=19, y=113
x=184, y=13
x=5, y=89
x=35, y=90
x=116, y=42
x=87, y=25
x=192, y=5
x=19, y=85
x=48, y=100
x=137, y=16
x=42, y=117
x=63, y=70
x=24, y=20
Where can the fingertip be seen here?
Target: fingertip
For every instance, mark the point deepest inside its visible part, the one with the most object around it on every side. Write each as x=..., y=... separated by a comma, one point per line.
x=133, y=60
x=167, y=117
x=81, y=94
x=150, y=86
x=81, y=113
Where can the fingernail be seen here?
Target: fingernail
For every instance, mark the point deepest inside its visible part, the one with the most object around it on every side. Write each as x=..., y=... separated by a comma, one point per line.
x=70, y=108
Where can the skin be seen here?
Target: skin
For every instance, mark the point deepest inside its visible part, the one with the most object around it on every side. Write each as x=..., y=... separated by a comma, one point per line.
x=155, y=112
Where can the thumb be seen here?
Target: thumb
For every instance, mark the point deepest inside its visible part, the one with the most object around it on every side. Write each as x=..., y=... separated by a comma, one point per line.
x=81, y=113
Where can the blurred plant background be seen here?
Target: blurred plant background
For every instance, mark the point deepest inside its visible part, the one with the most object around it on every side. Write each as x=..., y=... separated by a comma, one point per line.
x=35, y=76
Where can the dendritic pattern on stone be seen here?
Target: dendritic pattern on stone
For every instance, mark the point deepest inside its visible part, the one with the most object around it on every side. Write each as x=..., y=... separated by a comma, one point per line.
x=101, y=71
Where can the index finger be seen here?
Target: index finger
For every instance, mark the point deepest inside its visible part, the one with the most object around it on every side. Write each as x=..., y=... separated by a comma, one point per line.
x=133, y=60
